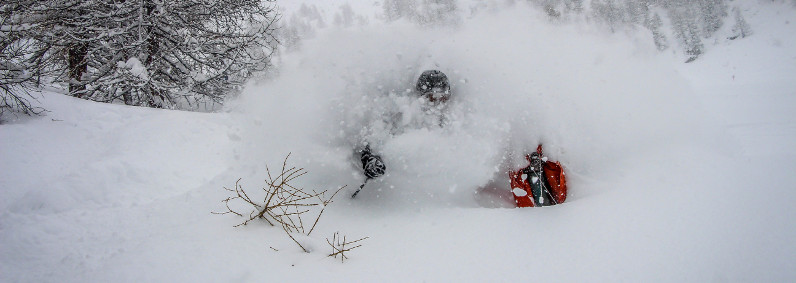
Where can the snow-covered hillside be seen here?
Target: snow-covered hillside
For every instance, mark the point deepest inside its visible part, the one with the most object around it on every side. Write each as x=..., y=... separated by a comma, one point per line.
x=677, y=172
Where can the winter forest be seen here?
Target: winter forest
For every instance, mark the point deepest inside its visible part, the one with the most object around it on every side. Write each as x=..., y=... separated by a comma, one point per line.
x=186, y=54
x=222, y=140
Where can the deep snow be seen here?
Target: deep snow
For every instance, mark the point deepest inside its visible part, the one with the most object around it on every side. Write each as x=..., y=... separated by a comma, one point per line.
x=677, y=171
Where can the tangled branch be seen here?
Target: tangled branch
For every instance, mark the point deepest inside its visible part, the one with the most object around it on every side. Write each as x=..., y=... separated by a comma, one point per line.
x=283, y=204
x=340, y=246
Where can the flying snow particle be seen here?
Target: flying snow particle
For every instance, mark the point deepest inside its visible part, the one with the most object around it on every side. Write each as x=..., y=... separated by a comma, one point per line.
x=519, y=192
x=534, y=179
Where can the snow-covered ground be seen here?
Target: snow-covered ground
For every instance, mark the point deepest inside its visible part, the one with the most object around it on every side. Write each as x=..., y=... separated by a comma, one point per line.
x=677, y=172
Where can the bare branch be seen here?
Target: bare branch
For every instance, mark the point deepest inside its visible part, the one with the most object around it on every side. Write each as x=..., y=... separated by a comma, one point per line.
x=339, y=246
x=283, y=203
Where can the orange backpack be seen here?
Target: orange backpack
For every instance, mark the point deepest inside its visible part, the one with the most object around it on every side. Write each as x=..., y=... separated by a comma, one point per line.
x=553, y=184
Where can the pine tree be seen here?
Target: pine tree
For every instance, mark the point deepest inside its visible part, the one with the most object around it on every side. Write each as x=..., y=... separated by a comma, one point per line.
x=397, y=9
x=166, y=54
x=436, y=12
x=687, y=31
x=654, y=23
x=712, y=14
x=21, y=68
x=609, y=12
x=424, y=12
x=741, y=28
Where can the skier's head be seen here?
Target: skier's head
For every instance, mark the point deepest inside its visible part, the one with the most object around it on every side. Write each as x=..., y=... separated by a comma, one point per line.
x=434, y=86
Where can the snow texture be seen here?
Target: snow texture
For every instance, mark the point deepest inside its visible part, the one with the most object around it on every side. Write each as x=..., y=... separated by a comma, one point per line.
x=136, y=68
x=677, y=172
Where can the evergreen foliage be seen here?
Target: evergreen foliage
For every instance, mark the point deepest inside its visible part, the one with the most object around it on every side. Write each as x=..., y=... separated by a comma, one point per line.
x=691, y=21
x=164, y=54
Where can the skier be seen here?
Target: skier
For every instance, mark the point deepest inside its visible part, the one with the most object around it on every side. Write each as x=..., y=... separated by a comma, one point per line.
x=434, y=88
x=541, y=183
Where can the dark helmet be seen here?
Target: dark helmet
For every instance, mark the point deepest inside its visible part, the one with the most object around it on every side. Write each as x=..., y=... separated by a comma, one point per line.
x=434, y=85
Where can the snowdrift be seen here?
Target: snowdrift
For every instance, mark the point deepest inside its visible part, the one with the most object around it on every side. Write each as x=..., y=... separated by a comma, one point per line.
x=594, y=99
x=677, y=172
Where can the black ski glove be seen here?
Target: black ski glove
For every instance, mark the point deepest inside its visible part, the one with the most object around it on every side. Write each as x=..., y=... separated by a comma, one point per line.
x=372, y=164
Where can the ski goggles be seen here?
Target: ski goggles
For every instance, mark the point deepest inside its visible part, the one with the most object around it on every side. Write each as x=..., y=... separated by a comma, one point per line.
x=437, y=94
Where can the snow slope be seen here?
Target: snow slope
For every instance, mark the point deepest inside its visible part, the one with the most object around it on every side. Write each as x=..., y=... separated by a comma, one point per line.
x=678, y=172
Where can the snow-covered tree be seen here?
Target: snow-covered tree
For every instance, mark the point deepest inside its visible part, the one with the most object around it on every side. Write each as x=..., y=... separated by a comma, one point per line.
x=654, y=23
x=712, y=14
x=437, y=12
x=17, y=75
x=299, y=26
x=691, y=21
x=424, y=12
x=741, y=28
x=609, y=12
x=20, y=68
x=345, y=17
x=155, y=53
x=396, y=9
x=687, y=31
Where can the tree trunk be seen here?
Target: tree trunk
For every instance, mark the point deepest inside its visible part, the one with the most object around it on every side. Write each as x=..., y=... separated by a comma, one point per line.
x=77, y=67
